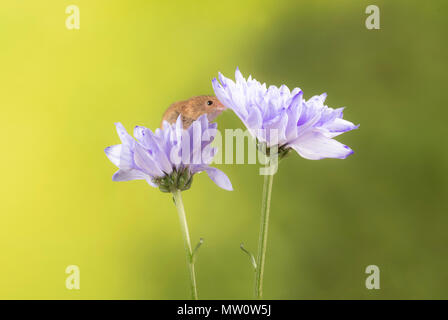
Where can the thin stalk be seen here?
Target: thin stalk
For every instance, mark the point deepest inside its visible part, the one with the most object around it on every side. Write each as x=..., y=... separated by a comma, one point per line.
x=263, y=238
x=189, y=252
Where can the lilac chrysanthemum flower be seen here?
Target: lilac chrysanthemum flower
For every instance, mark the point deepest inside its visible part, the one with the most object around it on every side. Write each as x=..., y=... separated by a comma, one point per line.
x=307, y=126
x=169, y=157
x=281, y=120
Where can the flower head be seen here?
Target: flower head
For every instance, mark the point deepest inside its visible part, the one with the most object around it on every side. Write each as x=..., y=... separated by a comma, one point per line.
x=283, y=118
x=169, y=157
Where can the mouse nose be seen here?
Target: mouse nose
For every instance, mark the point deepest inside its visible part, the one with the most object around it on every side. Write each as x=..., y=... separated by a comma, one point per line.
x=220, y=106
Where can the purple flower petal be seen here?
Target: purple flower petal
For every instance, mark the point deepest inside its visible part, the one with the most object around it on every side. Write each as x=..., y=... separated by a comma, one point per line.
x=339, y=126
x=315, y=146
x=254, y=120
x=219, y=178
x=113, y=153
x=126, y=154
x=123, y=134
x=149, y=141
x=127, y=175
x=145, y=162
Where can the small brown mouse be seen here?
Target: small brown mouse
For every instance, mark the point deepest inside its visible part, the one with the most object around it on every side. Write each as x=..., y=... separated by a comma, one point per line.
x=192, y=109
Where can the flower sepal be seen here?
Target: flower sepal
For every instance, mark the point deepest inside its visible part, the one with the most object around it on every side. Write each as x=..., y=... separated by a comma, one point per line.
x=177, y=180
x=282, y=151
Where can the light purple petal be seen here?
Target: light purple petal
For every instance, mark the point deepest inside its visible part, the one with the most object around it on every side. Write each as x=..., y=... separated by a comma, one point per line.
x=276, y=130
x=123, y=134
x=293, y=113
x=195, y=132
x=126, y=154
x=208, y=153
x=308, y=125
x=339, y=126
x=230, y=95
x=254, y=120
x=113, y=153
x=315, y=146
x=149, y=141
x=127, y=175
x=149, y=181
x=144, y=161
x=239, y=77
x=219, y=178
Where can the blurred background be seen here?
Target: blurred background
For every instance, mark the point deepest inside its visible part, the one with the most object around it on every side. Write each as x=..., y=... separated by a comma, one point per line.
x=61, y=91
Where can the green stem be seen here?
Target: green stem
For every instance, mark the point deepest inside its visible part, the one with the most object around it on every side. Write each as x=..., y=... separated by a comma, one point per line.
x=263, y=238
x=189, y=252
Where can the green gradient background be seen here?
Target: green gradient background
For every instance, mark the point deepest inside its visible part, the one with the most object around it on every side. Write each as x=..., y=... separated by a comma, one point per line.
x=61, y=91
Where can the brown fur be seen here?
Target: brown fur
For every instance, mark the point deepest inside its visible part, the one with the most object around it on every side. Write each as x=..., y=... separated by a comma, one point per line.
x=192, y=109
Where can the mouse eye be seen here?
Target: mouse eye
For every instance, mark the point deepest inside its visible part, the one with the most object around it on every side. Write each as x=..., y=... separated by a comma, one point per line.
x=209, y=103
